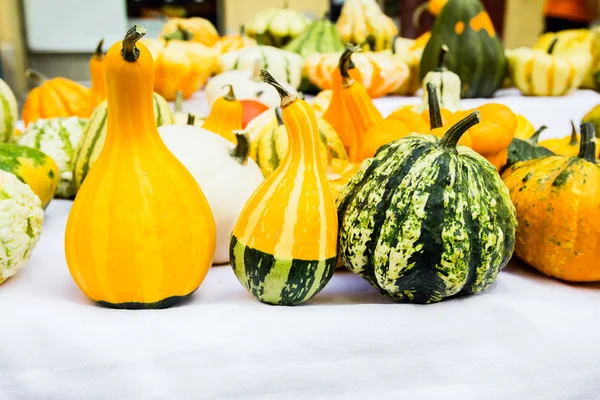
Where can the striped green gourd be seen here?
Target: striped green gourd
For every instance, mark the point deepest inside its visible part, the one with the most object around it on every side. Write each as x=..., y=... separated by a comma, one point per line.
x=283, y=247
x=8, y=112
x=56, y=137
x=426, y=219
x=92, y=140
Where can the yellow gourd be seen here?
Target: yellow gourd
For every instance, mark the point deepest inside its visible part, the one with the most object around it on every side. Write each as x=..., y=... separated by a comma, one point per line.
x=140, y=233
x=225, y=116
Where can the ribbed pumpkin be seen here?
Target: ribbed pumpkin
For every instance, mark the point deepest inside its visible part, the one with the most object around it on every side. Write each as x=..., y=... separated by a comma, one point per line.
x=153, y=247
x=56, y=137
x=476, y=54
x=8, y=112
x=92, y=140
x=555, y=198
x=194, y=29
x=57, y=97
x=225, y=116
x=180, y=66
x=272, y=145
x=32, y=167
x=97, y=76
x=362, y=23
x=276, y=26
x=425, y=220
x=529, y=149
x=381, y=74
x=284, y=246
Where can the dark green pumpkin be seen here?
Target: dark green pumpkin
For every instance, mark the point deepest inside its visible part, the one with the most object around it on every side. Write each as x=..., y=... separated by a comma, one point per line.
x=426, y=219
x=525, y=150
x=476, y=54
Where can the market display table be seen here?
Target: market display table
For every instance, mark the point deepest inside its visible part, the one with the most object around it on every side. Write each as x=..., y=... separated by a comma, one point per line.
x=528, y=337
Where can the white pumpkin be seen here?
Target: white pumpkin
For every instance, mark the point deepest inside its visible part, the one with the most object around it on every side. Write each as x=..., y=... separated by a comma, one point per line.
x=226, y=174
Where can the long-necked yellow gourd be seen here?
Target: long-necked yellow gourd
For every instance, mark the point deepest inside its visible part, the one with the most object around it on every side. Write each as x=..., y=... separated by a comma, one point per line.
x=284, y=246
x=140, y=233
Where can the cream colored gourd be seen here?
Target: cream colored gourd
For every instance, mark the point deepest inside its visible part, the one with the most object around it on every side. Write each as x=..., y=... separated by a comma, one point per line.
x=447, y=85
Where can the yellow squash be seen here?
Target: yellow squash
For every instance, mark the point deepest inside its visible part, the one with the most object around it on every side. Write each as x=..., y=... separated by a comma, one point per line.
x=225, y=116
x=97, y=76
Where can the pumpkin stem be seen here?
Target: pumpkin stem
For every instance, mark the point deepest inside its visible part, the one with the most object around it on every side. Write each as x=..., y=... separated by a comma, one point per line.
x=574, y=139
x=435, y=116
x=453, y=135
x=191, y=119
x=230, y=96
x=286, y=97
x=416, y=17
x=178, y=101
x=552, y=46
x=534, y=139
x=279, y=116
x=443, y=51
x=242, y=149
x=344, y=65
x=130, y=52
x=587, y=149
x=180, y=34
x=37, y=76
x=99, y=54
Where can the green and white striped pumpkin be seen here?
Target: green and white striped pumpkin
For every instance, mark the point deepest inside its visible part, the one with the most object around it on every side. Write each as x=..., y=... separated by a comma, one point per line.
x=93, y=137
x=56, y=137
x=426, y=219
x=283, y=65
x=8, y=112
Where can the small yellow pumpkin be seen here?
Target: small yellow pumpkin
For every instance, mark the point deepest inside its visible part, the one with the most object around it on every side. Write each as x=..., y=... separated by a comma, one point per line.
x=194, y=29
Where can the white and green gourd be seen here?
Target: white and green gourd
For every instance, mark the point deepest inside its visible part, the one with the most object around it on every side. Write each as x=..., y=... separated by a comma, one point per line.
x=276, y=26
x=8, y=112
x=447, y=84
x=58, y=138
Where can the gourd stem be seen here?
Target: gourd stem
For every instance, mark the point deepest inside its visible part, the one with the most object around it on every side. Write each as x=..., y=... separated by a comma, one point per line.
x=230, y=96
x=178, y=101
x=37, y=76
x=416, y=17
x=552, y=46
x=435, y=116
x=180, y=34
x=453, y=135
x=443, y=51
x=279, y=116
x=574, y=139
x=242, y=30
x=536, y=136
x=130, y=52
x=286, y=4
x=242, y=149
x=587, y=149
x=99, y=54
x=394, y=43
x=286, y=97
x=191, y=119
x=344, y=65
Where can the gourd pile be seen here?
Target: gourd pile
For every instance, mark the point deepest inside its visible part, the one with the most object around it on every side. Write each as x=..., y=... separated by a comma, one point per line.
x=426, y=204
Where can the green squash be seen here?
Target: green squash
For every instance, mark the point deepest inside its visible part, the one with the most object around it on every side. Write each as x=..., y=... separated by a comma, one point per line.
x=92, y=140
x=476, y=54
x=425, y=219
x=525, y=150
x=276, y=26
x=32, y=167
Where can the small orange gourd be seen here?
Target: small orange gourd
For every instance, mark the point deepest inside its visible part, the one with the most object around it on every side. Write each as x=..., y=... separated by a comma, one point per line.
x=97, y=76
x=140, y=233
x=284, y=246
x=225, y=116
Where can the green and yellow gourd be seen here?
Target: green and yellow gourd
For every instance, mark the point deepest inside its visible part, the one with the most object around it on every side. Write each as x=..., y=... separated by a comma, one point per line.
x=425, y=219
x=92, y=140
x=32, y=167
x=276, y=26
x=272, y=145
x=476, y=53
x=284, y=245
x=8, y=112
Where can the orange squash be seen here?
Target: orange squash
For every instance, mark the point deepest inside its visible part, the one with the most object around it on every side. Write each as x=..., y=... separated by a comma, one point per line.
x=97, y=76
x=284, y=244
x=194, y=29
x=229, y=43
x=140, y=233
x=57, y=97
x=225, y=116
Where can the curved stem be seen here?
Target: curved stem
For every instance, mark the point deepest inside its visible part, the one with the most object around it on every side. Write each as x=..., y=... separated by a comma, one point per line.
x=130, y=52
x=574, y=139
x=99, y=54
x=344, y=65
x=191, y=120
x=230, y=96
x=435, y=116
x=279, y=116
x=552, y=46
x=587, y=149
x=534, y=139
x=442, y=56
x=394, y=43
x=242, y=149
x=286, y=97
x=453, y=135
x=416, y=17
x=37, y=76
x=178, y=101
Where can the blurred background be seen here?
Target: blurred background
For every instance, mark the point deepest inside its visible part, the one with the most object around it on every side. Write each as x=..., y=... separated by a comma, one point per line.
x=56, y=37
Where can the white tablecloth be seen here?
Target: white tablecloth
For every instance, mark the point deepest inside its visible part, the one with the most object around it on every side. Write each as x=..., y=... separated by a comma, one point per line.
x=528, y=337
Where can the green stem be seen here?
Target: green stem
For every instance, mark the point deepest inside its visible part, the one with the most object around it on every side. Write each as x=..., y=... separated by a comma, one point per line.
x=574, y=139
x=230, y=96
x=99, y=54
x=242, y=149
x=242, y=30
x=442, y=56
x=191, y=120
x=587, y=148
x=552, y=46
x=37, y=76
x=130, y=52
x=435, y=116
x=453, y=135
x=279, y=116
x=179, y=101
x=535, y=138
x=286, y=97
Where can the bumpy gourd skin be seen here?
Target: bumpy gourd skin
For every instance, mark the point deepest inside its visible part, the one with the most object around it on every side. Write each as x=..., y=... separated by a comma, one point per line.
x=557, y=201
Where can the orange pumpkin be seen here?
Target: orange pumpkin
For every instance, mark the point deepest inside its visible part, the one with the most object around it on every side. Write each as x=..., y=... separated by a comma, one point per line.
x=225, y=116
x=97, y=76
x=195, y=29
x=229, y=43
x=57, y=97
